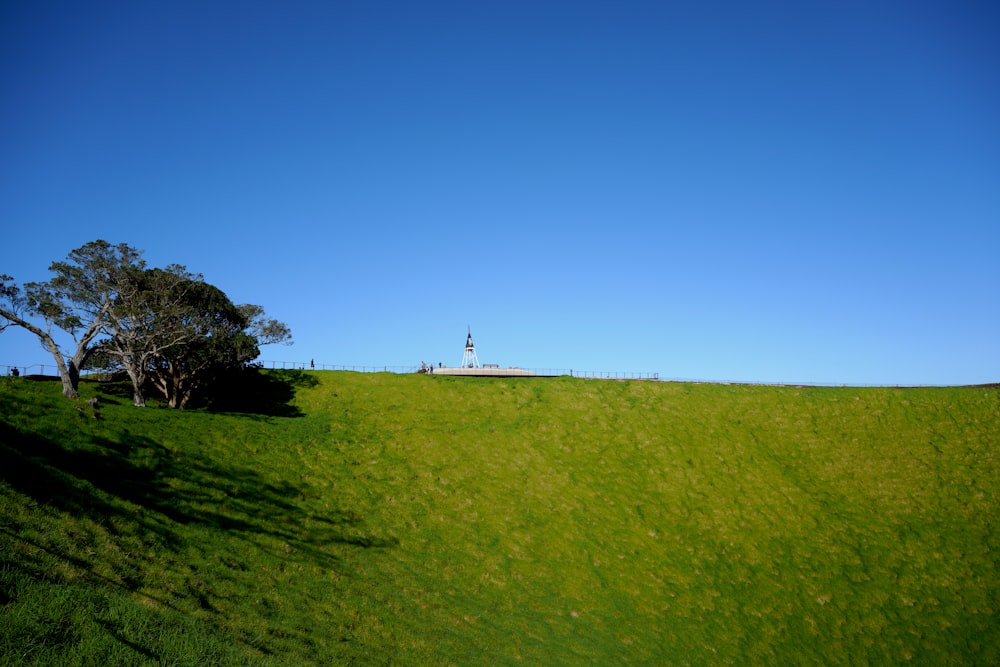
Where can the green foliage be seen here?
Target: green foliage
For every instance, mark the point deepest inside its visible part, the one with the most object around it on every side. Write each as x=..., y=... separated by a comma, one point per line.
x=382, y=519
x=197, y=331
x=164, y=326
x=77, y=300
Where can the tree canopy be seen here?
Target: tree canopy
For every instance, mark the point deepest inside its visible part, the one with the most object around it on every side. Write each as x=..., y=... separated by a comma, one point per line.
x=165, y=328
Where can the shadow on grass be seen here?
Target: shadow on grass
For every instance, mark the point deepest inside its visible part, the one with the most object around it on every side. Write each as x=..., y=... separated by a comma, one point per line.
x=146, y=498
x=137, y=486
x=257, y=391
x=251, y=391
x=170, y=488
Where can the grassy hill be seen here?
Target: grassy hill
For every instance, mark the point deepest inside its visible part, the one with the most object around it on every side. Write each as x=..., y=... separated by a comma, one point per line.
x=385, y=519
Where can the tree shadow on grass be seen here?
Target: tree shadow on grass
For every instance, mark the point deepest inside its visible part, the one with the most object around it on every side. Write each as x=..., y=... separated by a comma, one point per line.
x=258, y=391
x=171, y=488
x=100, y=508
x=146, y=497
x=251, y=391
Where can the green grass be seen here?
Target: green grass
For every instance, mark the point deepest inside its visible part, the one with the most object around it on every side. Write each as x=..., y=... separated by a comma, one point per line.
x=389, y=519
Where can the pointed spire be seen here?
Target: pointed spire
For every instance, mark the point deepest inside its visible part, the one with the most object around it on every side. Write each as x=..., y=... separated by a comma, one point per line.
x=470, y=359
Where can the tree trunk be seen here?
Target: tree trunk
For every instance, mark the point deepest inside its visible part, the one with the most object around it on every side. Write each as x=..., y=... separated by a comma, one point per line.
x=69, y=383
x=79, y=358
x=69, y=391
x=185, y=395
x=165, y=379
x=175, y=393
x=73, y=371
x=138, y=380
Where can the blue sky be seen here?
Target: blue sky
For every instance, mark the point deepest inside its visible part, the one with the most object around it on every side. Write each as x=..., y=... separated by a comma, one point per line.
x=773, y=191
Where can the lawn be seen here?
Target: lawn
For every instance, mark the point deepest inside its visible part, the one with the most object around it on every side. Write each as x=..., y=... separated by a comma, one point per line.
x=386, y=519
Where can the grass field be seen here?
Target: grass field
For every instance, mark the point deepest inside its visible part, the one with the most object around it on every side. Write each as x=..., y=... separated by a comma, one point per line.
x=410, y=520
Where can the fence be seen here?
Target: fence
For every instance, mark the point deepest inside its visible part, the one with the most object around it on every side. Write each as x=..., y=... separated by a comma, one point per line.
x=300, y=365
x=543, y=372
x=594, y=375
x=50, y=370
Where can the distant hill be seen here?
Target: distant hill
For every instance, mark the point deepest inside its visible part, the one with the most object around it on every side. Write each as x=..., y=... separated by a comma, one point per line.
x=347, y=518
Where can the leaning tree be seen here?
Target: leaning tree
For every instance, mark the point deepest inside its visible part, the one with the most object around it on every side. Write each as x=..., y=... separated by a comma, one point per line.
x=76, y=300
x=164, y=327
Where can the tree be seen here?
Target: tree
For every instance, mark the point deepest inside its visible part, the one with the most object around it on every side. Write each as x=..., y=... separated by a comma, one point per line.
x=146, y=319
x=170, y=327
x=15, y=310
x=267, y=331
x=162, y=325
x=225, y=337
x=76, y=300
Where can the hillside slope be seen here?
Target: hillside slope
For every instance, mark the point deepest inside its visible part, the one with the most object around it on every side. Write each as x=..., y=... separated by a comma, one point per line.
x=391, y=519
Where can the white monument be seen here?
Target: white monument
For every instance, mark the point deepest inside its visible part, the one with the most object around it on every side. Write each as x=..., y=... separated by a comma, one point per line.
x=469, y=358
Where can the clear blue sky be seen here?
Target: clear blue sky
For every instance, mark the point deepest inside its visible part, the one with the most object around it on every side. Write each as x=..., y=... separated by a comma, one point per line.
x=802, y=191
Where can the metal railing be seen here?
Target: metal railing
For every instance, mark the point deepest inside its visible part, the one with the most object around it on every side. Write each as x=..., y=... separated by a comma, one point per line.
x=543, y=372
x=51, y=370
x=312, y=366
x=595, y=375
x=48, y=370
